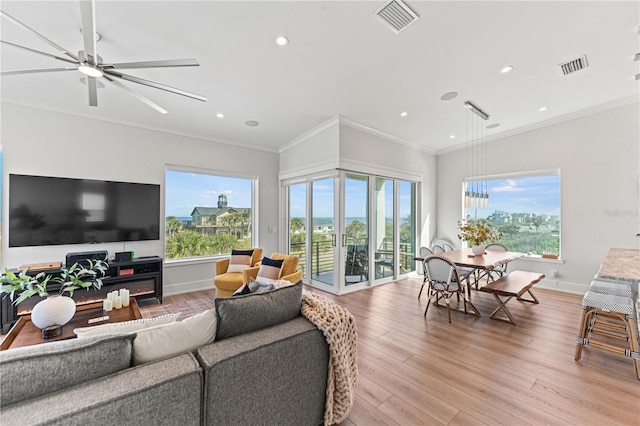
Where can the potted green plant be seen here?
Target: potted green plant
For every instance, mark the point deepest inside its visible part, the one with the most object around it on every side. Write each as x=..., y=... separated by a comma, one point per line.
x=476, y=233
x=57, y=308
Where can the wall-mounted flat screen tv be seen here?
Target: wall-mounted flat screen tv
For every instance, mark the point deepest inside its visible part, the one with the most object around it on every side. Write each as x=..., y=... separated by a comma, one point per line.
x=53, y=210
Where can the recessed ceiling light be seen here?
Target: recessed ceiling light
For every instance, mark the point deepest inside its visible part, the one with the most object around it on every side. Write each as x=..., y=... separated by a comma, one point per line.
x=506, y=69
x=452, y=136
x=493, y=126
x=282, y=40
x=251, y=123
x=220, y=115
x=542, y=109
x=448, y=96
x=404, y=114
x=636, y=57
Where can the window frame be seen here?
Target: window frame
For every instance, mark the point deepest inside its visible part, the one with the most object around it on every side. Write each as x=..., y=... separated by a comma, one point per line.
x=516, y=175
x=253, y=178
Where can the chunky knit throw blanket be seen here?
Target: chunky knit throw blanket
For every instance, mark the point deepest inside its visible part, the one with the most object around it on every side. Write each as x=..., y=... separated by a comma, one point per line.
x=339, y=328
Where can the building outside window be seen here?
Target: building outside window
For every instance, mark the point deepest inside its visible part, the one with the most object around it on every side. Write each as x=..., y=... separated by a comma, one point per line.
x=206, y=214
x=526, y=207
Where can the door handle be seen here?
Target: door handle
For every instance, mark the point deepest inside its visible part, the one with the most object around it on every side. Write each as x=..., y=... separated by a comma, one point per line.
x=333, y=240
x=344, y=240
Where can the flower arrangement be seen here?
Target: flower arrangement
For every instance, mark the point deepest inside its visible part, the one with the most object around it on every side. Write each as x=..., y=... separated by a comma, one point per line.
x=69, y=279
x=478, y=232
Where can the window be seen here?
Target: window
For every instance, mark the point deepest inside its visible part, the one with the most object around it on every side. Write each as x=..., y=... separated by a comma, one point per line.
x=206, y=214
x=526, y=207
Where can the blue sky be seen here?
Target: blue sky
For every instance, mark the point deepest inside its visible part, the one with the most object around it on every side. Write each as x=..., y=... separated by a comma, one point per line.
x=533, y=194
x=184, y=191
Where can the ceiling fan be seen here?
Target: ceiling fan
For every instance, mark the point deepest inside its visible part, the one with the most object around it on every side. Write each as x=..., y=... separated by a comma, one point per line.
x=89, y=63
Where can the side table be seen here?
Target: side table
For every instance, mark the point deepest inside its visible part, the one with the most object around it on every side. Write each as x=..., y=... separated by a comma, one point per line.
x=24, y=333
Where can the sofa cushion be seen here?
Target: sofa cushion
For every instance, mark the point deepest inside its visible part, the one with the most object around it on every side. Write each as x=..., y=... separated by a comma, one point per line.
x=126, y=326
x=242, y=314
x=166, y=340
x=240, y=260
x=270, y=269
x=32, y=371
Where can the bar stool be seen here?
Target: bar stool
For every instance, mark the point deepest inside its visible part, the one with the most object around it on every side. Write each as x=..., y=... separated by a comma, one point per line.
x=611, y=287
x=611, y=306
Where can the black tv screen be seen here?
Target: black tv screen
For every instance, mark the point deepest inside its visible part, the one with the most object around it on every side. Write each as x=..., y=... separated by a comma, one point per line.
x=52, y=210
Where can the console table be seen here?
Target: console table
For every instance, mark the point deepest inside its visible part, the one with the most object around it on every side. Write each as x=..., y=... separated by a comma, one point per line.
x=141, y=276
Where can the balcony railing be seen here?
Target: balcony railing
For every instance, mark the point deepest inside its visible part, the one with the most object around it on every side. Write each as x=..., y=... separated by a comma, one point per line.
x=322, y=255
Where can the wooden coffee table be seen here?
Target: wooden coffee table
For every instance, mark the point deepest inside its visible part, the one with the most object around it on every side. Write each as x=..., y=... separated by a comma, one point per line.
x=24, y=333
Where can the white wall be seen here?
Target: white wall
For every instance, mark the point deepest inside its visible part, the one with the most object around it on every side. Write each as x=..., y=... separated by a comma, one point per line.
x=338, y=145
x=319, y=150
x=44, y=143
x=365, y=152
x=599, y=160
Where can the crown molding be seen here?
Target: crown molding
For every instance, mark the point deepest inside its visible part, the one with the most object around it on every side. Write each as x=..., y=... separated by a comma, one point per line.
x=386, y=136
x=333, y=121
x=550, y=122
x=354, y=125
x=236, y=144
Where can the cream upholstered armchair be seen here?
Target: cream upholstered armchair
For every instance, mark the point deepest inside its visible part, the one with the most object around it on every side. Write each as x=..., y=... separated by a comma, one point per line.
x=289, y=270
x=227, y=282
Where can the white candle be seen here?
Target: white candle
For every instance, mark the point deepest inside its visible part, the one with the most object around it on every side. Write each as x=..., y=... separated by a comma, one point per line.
x=124, y=295
x=118, y=302
x=112, y=295
x=107, y=305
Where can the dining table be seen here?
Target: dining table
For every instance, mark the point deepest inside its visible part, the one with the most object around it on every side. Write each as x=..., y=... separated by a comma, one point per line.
x=489, y=260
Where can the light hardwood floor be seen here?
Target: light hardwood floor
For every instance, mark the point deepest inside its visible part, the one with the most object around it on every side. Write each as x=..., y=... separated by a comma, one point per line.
x=415, y=371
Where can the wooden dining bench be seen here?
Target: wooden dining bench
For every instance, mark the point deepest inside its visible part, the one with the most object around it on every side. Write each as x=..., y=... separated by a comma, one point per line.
x=515, y=284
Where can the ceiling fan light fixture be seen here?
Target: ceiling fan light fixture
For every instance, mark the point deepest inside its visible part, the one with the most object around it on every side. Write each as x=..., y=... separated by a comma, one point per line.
x=90, y=70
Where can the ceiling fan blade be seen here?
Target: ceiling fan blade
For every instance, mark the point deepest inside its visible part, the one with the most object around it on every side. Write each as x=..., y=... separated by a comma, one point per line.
x=154, y=64
x=156, y=85
x=136, y=95
x=92, y=87
x=88, y=14
x=33, y=71
x=39, y=52
x=40, y=36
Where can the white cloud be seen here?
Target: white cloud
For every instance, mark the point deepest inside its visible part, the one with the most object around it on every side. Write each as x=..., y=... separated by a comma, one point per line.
x=509, y=186
x=209, y=194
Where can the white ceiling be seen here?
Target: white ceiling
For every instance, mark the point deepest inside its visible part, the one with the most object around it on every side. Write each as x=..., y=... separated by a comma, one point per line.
x=342, y=60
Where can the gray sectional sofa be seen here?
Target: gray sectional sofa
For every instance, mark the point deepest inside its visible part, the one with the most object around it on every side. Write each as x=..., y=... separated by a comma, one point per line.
x=276, y=374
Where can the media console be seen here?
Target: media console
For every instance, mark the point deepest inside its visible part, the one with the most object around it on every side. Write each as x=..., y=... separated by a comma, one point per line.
x=141, y=276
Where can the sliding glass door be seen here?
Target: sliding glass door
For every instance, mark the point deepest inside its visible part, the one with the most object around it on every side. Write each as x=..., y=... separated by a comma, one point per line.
x=323, y=235
x=383, y=228
x=356, y=229
x=352, y=230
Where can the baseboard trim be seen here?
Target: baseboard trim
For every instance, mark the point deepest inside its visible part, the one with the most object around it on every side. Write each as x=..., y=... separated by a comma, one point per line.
x=187, y=287
x=563, y=286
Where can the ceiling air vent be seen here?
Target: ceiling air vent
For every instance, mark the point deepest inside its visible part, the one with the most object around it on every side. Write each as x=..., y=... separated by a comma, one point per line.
x=574, y=65
x=397, y=14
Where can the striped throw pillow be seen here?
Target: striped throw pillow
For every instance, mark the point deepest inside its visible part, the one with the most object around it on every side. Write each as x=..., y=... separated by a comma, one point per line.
x=240, y=260
x=270, y=270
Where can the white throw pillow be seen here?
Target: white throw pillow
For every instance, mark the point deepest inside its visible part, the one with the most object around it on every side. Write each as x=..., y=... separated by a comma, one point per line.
x=175, y=338
x=126, y=326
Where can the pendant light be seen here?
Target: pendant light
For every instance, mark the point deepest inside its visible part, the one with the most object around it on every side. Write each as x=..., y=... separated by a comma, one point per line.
x=476, y=194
